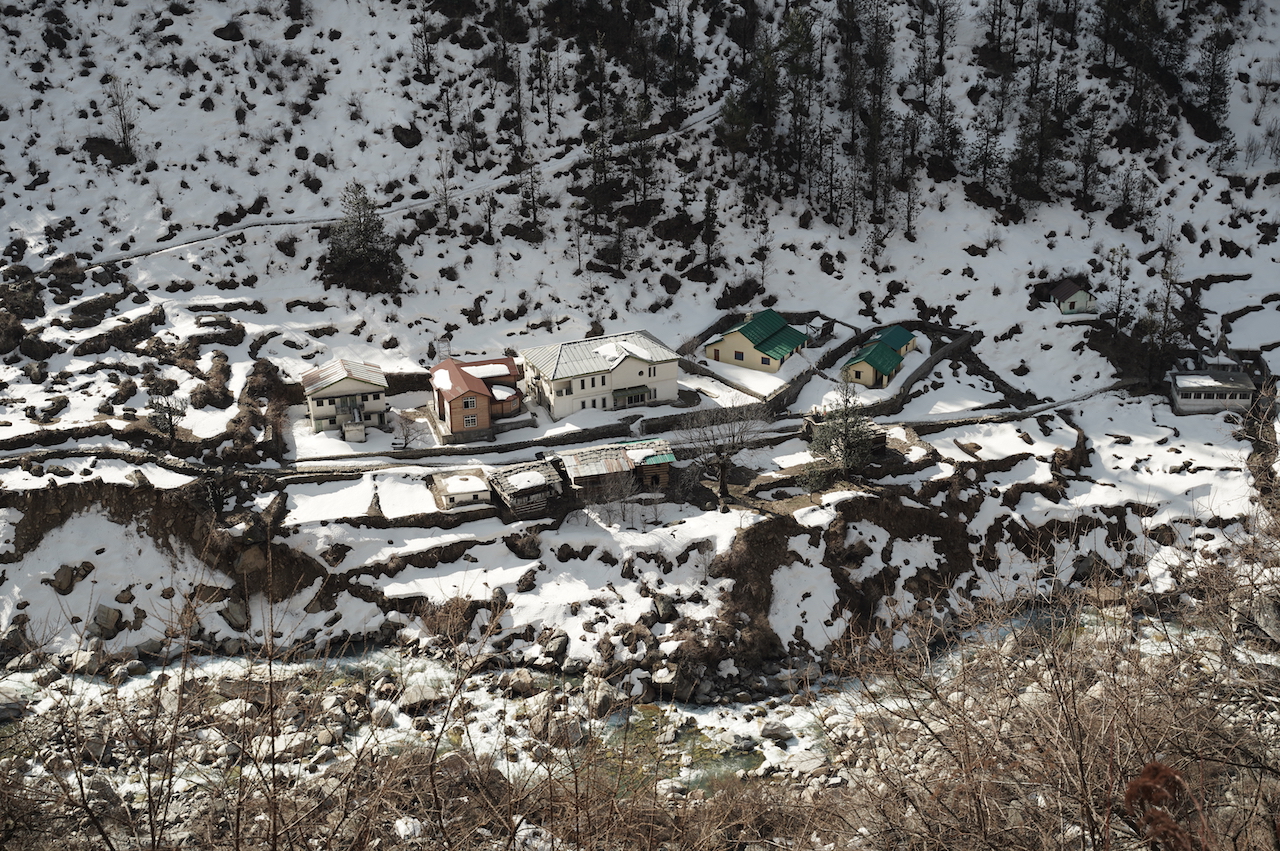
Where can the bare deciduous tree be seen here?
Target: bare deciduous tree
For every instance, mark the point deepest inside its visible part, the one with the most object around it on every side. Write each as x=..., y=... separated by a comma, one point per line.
x=716, y=435
x=124, y=114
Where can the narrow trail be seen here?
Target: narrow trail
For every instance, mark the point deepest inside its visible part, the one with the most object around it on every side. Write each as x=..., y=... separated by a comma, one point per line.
x=698, y=120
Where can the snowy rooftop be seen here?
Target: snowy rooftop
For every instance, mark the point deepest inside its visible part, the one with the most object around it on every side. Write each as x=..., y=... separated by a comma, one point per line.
x=596, y=354
x=316, y=380
x=1211, y=380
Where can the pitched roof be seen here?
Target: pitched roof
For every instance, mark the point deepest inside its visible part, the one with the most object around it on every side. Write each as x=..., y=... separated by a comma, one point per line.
x=318, y=378
x=529, y=476
x=452, y=378
x=884, y=359
x=615, y=457
x=769, y=333
x=596, y=461
x=647, y=452
x=596, y=354
x=895, y=337
x=1065, y=289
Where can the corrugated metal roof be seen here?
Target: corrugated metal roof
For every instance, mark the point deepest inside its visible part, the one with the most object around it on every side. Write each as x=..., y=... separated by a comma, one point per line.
x=596, y=354
x=615, y=458
x=596, y=461
x=895, y=337
x=769, y=333
x=317, y=379
x=501, y=478
x=884, y=359
x=782, y=342
x=760, y=326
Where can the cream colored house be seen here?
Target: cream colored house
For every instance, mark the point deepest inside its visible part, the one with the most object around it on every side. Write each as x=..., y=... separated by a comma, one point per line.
x=345, y=391
x=611, y=372
x=762, y=341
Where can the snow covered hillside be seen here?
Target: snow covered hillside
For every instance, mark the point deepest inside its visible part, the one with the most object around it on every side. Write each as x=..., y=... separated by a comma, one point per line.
x=171, y=174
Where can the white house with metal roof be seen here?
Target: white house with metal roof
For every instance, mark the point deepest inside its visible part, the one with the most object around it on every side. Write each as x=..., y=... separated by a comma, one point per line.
x=346, y=392
x=1208, y=391
x=614, y=371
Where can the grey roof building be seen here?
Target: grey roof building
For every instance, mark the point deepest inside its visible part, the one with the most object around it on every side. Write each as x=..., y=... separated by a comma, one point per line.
x=609, y=372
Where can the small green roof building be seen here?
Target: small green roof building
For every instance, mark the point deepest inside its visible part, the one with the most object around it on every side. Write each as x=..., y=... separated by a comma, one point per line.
x=873, y=365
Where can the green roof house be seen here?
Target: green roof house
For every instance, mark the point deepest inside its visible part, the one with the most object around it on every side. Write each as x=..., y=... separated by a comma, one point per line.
x=873, y=365
x=897, y=338
x=762, y=341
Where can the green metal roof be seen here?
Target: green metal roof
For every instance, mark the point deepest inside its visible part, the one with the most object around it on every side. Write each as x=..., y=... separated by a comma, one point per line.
x=650, y=451
x=882, y=358
x=760, y=326
x=770, y=334
x=895, y=337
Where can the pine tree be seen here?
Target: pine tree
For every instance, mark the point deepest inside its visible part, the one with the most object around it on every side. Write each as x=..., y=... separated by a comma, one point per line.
x=843, y=437
x=362, y=255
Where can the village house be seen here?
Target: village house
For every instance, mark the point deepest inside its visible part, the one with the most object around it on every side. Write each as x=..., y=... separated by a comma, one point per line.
x=609, y=372
x=1072, y=297
x=873, y=365
x=762, y=341
x=469, y=396
x=527, y=488
x=346, y=395
x=897, y=338
x=647, y=463
x=461, y=488
x=1209, y=391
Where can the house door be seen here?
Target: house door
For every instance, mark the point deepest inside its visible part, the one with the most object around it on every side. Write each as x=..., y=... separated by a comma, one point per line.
x=716, y=353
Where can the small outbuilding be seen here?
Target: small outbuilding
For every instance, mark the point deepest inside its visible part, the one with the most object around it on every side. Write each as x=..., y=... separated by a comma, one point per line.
x=1071, y=296
x=873, y=365
x=897, y=338
x=527, y=488
x=647, y=463
x=461, y=488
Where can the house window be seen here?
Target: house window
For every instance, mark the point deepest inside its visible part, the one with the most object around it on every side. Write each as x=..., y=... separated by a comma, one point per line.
x=637, y=399
x=469, y=402
x=593, y=381
x=470, y=421
x=364, y=397
x=582, y=384
x=857, y=373
x=764, y=361
x=1071, y=305
x=333, y=420
x=583, y=405
x=738, y=356
x=377, y=396
x=653, y=372
x=593, y=403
